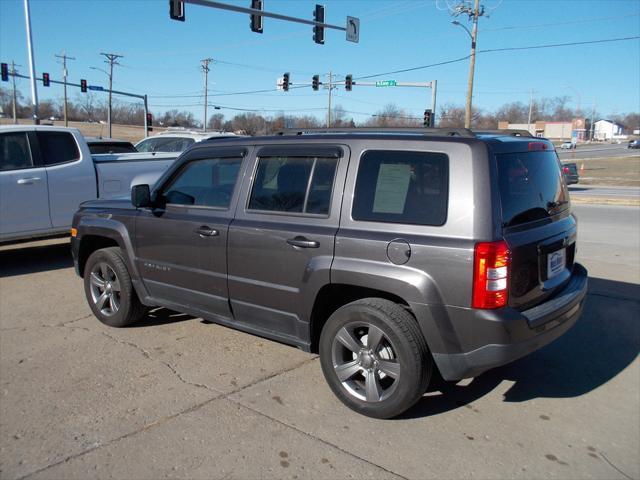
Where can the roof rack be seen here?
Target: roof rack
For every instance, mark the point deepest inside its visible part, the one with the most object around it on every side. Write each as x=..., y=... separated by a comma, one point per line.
x=439, y=132
x=509, y=133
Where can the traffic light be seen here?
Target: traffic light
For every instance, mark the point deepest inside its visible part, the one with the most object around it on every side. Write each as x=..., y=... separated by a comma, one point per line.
x=285, y=82
x=315, y=82
x=176, y=10
x=318, y=32
x=83, y=86
x=256, y=20
x=149, y=122
x=427, y=118
x=348, y=83
x=5, y=72
x=45, y=80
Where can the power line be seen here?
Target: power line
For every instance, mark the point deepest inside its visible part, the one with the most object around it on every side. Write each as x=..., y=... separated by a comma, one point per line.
x=554, y=24
x=553, y=45
x=531, y=47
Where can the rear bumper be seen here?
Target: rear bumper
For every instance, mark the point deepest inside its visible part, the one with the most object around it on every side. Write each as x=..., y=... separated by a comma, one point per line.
x=507, y=334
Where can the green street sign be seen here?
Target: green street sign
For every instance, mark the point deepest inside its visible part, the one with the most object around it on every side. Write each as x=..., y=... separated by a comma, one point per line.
x=386, y=83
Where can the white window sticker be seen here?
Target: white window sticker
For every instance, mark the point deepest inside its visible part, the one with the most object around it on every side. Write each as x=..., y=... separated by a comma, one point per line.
x=391, y=188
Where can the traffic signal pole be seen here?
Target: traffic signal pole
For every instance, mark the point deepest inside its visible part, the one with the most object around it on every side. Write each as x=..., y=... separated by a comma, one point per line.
x=32, y=63
x=116, y=92
x=433, y=85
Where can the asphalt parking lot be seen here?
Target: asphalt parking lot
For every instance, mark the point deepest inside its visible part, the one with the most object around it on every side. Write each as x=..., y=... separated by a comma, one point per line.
x=177, y=397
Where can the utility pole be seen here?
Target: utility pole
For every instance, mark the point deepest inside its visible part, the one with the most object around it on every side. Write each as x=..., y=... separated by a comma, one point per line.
x=111, y=60
x=15, y=100
x=205, y=69
x=593, y=115
x=329, y=107
x=530, y=111
x=32, y=63
x=473, y=14
x=64, y=58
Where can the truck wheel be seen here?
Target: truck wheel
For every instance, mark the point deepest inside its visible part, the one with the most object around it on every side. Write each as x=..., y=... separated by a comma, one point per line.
x=375, y=358
x=107, y=285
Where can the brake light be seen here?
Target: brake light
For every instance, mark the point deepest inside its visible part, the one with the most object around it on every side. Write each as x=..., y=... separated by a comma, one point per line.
x=491, y=275
x=537, y=146
x=565, y=169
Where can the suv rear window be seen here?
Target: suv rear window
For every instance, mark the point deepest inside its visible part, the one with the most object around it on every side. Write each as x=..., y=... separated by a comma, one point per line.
x=531, y=187
x=402, y=187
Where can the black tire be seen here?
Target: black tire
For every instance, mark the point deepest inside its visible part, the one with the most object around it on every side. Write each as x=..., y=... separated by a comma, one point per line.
x=129, y=309
x=402, y=344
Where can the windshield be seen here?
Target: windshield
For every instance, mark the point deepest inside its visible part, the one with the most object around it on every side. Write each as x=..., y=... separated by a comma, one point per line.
x=165, y=144
x=531, y=187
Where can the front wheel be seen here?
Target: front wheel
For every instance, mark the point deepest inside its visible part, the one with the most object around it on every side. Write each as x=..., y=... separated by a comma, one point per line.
x=375, y=358
x=109, y=291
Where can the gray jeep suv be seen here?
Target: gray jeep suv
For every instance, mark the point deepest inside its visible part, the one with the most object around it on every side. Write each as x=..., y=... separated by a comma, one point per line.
x=398, y=256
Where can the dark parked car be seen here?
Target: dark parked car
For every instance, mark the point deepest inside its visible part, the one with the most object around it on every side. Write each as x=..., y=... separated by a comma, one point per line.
x=570, y=172
x=634, y=144
x=398, y=256
x=99, y=145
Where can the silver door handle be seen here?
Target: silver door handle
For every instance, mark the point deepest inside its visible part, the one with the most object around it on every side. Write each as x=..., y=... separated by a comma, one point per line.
x=28, y=181
x=302, y=242
x=205, y=231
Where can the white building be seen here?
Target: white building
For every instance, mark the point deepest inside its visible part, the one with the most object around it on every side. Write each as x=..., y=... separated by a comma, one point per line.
x=606, y=130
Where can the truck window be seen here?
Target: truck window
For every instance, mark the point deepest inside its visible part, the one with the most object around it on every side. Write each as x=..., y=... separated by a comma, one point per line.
x=207, y=183
x=282, y=185
x=14, y=152
x=57, y=147
x=402, y=187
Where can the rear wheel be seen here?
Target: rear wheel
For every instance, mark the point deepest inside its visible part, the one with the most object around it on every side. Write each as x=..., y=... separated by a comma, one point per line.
x=109, y=291
x=375, y=358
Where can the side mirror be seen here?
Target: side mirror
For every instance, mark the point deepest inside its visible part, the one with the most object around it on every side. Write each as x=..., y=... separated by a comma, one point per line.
x=141, y=196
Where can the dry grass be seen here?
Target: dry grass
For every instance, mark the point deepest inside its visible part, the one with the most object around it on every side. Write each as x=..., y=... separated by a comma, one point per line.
x=617, y=171
x=133, y=133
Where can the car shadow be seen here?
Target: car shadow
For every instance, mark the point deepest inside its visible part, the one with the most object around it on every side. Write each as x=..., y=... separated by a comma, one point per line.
x=22, y=259
x=604, y=341
x=161, y=316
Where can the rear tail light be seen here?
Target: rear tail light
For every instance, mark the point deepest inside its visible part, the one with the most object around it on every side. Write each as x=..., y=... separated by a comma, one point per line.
x=491, y=275
x=565, y=169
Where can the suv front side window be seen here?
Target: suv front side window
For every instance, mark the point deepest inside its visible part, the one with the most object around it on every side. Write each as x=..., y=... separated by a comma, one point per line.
x=402, y=187
x=206, y=183
x=293, y=184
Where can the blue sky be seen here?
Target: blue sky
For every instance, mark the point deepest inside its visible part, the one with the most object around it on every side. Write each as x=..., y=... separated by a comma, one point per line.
x=162, y=56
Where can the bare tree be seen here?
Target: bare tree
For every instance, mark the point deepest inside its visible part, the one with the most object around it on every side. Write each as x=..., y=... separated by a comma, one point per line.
x=249, y=123
x=393, y=116
x=216, y=121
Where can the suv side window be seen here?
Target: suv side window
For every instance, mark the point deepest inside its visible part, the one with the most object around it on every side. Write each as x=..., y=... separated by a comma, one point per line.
x=293, y=184
x=402, y=187
x=57, y=147
x=207, y=183
x=14, y=152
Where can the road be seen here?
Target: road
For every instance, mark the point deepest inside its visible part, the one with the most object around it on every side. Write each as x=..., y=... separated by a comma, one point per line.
x=178, y=397
x=597, y=151
x=625, y=193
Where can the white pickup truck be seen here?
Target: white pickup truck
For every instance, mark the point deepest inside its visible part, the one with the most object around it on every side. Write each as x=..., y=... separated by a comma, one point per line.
x=46, y=172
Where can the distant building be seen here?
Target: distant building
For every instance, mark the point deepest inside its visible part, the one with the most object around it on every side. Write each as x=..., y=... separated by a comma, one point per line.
x=606, y=130
x=552, y=130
